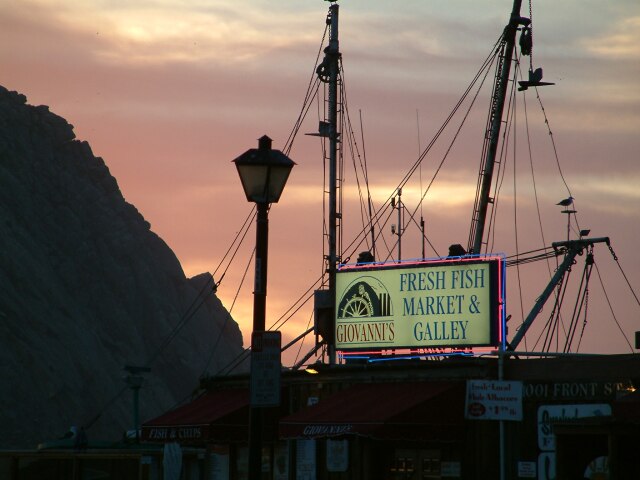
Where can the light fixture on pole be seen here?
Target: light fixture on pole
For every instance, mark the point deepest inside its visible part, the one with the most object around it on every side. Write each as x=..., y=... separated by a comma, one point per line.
x=263, y=173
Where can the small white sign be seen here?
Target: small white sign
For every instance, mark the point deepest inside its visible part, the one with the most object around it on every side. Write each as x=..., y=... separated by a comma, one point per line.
x=493, y=400
x=527, y=469
x=265, y=368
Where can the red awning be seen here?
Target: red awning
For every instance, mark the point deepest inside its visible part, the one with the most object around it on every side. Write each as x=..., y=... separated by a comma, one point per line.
x=405, y=410
x=220, y=416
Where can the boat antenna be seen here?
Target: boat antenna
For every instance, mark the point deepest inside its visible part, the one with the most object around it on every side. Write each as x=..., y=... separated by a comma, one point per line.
x=421, y=195
x=369, y=199
x=400, y=229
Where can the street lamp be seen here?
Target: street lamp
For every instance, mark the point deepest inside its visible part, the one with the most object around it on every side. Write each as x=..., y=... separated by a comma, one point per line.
x=263, y=173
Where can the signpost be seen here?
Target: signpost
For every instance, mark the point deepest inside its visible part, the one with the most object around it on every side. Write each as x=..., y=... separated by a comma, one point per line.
x=495, y=400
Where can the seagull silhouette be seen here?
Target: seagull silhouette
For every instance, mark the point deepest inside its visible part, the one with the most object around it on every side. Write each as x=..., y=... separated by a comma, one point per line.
x=566, y=202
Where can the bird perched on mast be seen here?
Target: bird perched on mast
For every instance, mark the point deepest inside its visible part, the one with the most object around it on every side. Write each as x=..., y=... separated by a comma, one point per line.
x=566, y=202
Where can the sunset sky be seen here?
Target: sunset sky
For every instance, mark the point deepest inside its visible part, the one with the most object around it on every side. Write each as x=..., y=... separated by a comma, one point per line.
x=169, y=92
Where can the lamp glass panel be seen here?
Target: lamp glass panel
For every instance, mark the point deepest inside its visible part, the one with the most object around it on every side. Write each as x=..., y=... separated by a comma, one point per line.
x=277, y=180
x=253, y=179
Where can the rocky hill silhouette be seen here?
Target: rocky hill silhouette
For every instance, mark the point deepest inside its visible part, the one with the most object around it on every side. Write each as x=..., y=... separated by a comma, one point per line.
x=85, y=289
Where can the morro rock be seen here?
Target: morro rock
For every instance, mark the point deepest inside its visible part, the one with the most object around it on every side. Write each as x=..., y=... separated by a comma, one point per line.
x=85, y=289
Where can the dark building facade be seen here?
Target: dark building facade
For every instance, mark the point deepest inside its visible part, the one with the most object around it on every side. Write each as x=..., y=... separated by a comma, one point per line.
x=579, y=418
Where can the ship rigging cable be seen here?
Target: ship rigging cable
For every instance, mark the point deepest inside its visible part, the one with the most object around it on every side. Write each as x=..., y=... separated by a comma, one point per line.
x=240, y=236
x=515, y=199
x=367, y=204
x=553, y=323
x=606, y=296
x=310, y=95
x=297, y=305
x=536, y=201
x=375, y=220
x=226, y=319
x=312, y=91
x=581, y=301
x=482, y=73
x=206, y=290
x=553, y=142
x=458, y=131
x=508, y=133
x=491, y=116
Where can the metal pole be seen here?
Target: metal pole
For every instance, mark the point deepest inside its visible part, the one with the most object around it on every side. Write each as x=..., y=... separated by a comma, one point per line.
x=299, y=337
x=423, y=237
x=259, y=314
x=136, y=411
x=502, y=442
x=135, y=382
x=574, y=248
x=333, y=53
x=537, y=307
x=399, y=225
x=260, y=286
x=497, y=108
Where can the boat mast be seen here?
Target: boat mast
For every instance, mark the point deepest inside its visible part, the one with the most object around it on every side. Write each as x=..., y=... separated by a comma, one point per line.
x=497, y=107
x=332, y=56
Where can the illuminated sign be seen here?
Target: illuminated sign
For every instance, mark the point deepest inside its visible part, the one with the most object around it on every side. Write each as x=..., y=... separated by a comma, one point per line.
x=431, y=304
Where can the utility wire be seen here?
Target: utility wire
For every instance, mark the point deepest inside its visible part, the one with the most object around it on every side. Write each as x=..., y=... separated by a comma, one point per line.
x=611, y=309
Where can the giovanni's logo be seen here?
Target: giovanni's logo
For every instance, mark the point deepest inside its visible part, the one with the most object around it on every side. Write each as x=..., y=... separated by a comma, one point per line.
x=365, y=297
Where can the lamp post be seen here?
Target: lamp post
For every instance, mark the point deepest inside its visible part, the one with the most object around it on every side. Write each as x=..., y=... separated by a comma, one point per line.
x=263, y=173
